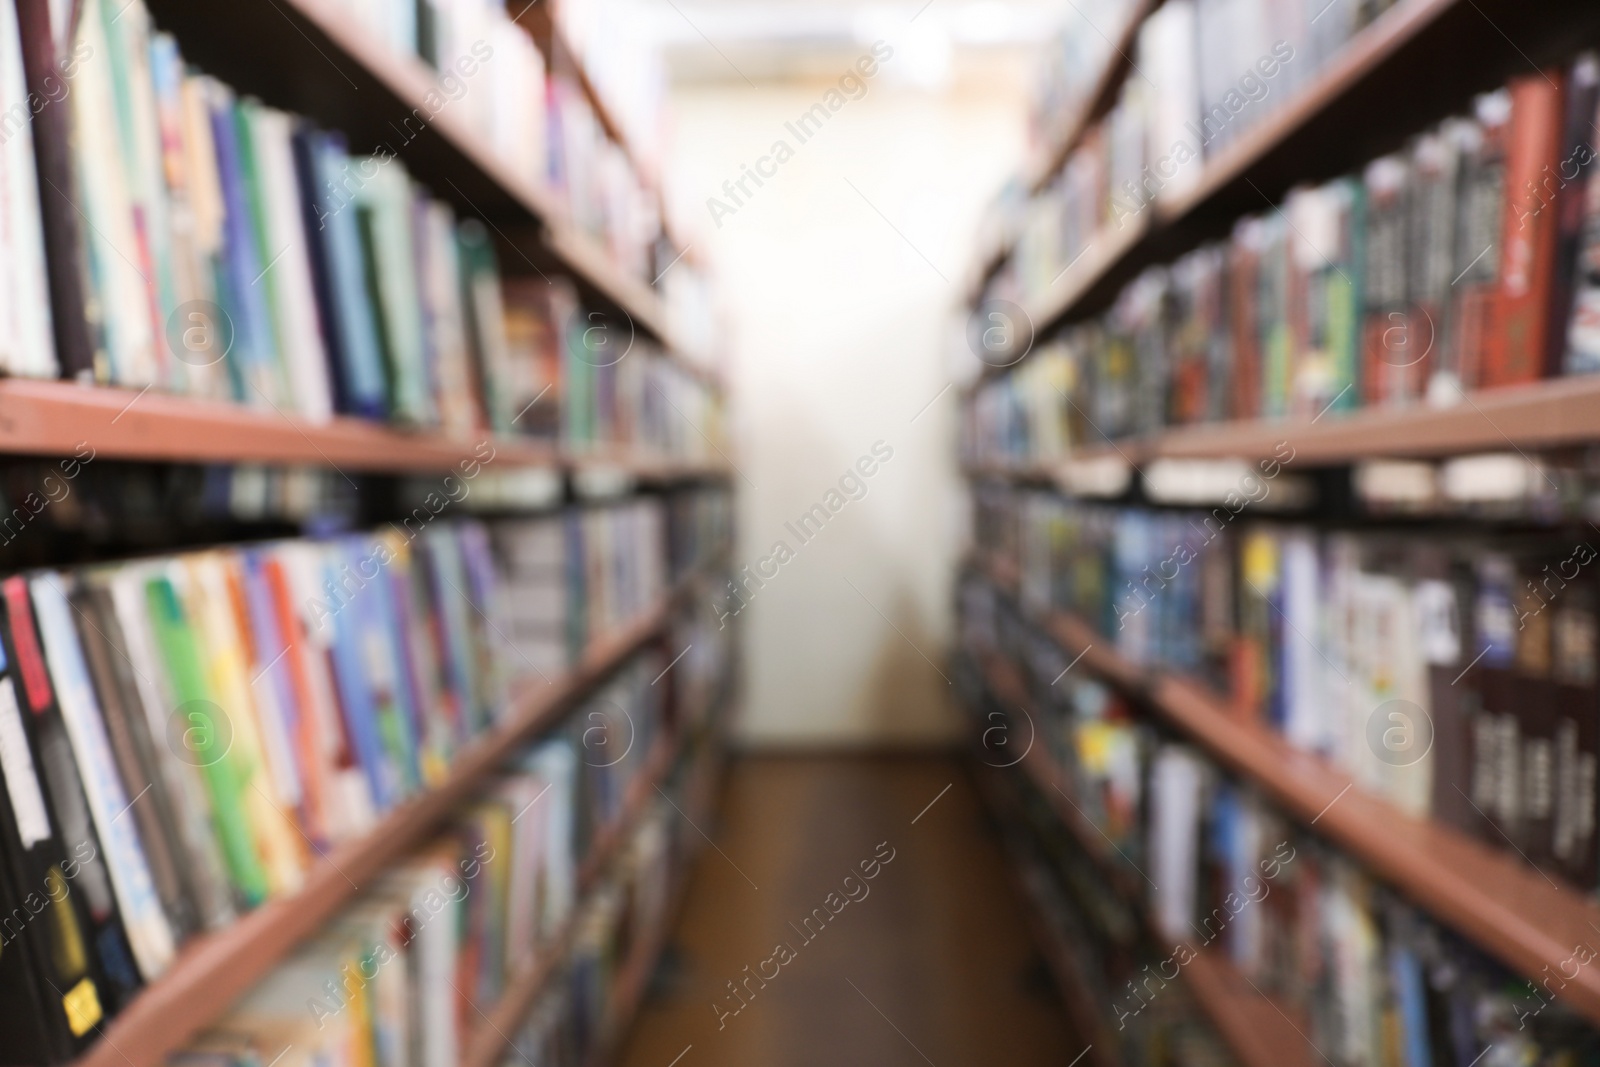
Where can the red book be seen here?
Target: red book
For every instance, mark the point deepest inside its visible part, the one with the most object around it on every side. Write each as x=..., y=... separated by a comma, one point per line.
x=1517, y=343
x=1244, y=274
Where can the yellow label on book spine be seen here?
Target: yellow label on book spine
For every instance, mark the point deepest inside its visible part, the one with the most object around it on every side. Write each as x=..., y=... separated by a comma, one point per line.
x=82, y=1004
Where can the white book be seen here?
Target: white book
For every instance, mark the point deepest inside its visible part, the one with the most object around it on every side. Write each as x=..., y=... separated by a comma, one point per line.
x=27, y=345
x=119, y=292
x=1175, y=781
x=556, y=763
x=439, y=282
x=149, y=934
x=287, y=274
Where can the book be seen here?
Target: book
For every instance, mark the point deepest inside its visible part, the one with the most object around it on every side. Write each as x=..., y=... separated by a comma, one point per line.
x=119, y=977
x=27, y=342
x=1528, y=231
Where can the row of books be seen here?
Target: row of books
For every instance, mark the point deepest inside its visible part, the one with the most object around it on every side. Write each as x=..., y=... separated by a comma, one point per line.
x=407, y=974
x=1374, y=979
x=623, y=59
x=210, y=245
x=1097, y=930
x=1204, y=72
x=1363, y=975
x=263, y=703
x=593, y=382
x=584, y=1010
x=1068, y=68
x=533, y=113
x=1453, y=673
x=1466, y=261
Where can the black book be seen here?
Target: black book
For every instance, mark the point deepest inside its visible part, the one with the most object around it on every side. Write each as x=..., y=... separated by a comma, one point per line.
x=110, y=952
x=171, y=868
x=44, y=924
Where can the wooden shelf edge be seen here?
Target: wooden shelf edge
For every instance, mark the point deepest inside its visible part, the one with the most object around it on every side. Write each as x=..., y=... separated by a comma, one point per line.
x=1488, y=895
x=1551, y=413
x=63, y=418
x=1358, y=58
x=214, y=969
x=1251, y=1024
x=1037, y=172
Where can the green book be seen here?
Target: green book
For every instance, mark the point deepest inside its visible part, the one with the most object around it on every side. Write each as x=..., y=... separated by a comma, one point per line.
x=206, y=739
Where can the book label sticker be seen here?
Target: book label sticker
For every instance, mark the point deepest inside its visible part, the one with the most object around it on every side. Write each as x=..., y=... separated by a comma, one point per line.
x=82, y=1005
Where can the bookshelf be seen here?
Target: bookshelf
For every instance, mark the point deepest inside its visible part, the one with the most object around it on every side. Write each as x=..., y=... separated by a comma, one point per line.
x=1490, y=896
x=310, y=57
x=317, y=59
x=1257, y=1031
x=214, y=969
x=1366, y=101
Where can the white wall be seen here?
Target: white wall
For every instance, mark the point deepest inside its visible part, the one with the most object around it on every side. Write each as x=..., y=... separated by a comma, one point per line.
x=837, y=332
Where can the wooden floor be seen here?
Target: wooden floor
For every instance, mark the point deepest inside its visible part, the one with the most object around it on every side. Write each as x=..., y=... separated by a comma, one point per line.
x=931, y=966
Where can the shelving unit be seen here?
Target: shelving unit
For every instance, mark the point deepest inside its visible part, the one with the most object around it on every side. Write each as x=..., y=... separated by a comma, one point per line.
x=215, y=969
x=314, y=58
x=488, y=1040
x=1077, y=996
x=1489, y=895
x=1259, y=1033
x=1365, y=102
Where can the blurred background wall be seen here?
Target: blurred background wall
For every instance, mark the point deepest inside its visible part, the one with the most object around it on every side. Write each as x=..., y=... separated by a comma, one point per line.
x=832, y=345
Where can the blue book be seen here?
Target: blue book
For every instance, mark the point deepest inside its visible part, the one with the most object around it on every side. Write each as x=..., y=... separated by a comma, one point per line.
x=252, y=358
x=339, y=262
x=350, y=673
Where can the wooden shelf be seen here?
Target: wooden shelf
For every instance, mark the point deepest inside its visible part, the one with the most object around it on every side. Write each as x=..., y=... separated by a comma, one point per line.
x=311, y=57
x=214, y=969
x=1489, y=895
x=1387, y=85
x=487, y=1042
x=1259, y=1033
x=1540, y=415
x=59, y=418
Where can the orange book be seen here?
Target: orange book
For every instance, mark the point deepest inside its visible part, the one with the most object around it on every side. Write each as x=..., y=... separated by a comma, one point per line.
x=1520, y=311
x=312, y=785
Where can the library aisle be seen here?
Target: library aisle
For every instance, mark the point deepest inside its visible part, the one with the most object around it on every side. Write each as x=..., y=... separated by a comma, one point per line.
x=678, y=533
x=930, y=958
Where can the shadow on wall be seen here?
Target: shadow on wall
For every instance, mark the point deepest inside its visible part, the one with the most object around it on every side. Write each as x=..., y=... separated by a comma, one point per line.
x=908, y=700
